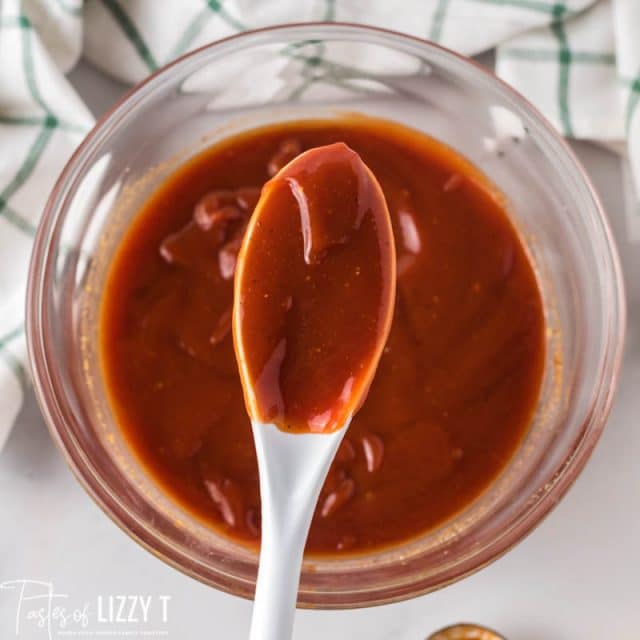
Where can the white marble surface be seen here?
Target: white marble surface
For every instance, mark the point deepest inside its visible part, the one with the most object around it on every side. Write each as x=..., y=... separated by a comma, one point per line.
x=574, y=578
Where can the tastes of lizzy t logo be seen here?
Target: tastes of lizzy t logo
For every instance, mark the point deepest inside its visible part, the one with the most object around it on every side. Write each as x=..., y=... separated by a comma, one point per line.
x=43, y=612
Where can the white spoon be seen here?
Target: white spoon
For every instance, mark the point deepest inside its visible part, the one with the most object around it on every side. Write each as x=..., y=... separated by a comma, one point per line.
x=292, y=468
x=293, y=465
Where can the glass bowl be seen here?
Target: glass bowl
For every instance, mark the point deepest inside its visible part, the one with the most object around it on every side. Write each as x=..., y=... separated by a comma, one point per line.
x=310, y=71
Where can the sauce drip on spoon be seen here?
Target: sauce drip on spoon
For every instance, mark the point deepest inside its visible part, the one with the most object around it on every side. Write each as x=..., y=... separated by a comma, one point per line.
x=314, y=292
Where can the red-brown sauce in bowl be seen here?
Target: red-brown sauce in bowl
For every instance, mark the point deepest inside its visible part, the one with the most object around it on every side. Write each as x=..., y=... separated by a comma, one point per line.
x=457, y=383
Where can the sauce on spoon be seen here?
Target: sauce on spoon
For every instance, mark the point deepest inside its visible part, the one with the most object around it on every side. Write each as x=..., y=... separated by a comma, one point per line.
x=314, y=290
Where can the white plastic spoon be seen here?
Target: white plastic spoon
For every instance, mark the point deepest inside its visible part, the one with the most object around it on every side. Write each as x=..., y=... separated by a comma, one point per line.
x=293, y=465
x=292, y=468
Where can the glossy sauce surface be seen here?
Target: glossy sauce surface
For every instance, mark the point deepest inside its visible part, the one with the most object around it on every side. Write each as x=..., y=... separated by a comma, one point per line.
x=314, y=292
x=457, y=382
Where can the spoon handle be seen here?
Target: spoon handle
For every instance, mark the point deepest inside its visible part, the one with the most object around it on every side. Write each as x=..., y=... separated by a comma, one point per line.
x=292, y=471
x=277, y=584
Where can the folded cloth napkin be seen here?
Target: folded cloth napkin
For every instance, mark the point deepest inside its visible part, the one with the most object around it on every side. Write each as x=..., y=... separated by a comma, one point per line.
x=577, y=60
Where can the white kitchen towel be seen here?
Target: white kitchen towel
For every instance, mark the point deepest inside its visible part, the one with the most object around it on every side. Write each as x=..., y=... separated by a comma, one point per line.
x=577, y=60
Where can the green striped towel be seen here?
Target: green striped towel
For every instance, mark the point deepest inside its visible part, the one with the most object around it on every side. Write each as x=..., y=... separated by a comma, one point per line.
x=577, y=60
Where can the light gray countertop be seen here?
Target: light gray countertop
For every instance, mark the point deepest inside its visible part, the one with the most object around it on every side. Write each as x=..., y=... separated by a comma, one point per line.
x=576, y=577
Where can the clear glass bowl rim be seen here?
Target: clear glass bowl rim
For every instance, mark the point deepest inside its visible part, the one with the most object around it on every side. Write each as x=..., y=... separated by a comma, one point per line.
x=42, y=266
